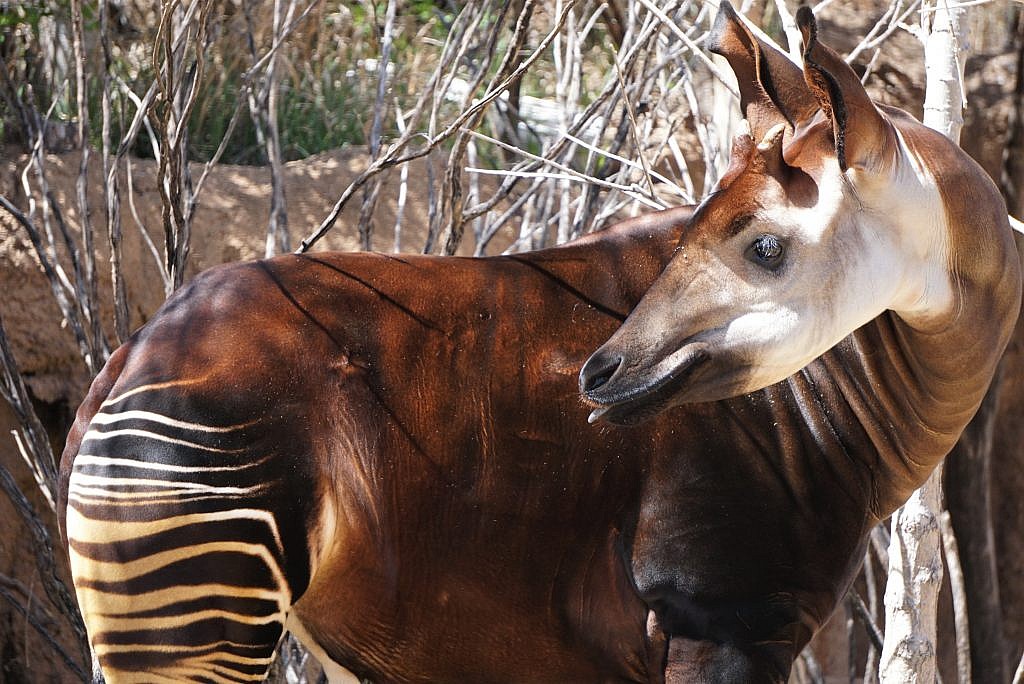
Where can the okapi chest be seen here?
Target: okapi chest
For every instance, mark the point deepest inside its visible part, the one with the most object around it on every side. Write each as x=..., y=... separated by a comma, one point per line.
x=389, y=456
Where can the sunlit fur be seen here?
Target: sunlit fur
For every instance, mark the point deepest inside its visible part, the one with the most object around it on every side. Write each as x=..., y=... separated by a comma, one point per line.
x=127, y=514
x=389, y=455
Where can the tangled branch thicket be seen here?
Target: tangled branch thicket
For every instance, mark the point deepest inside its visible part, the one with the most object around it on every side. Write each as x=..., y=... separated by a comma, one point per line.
x=532, y=123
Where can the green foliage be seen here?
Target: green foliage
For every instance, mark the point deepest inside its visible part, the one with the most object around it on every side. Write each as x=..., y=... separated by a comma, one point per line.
x=316, y=112
x=21, y=14
x=326, y=88
x=321, y=113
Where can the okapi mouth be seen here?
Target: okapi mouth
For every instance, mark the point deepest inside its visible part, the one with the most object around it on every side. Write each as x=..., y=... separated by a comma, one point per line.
x=634, y=405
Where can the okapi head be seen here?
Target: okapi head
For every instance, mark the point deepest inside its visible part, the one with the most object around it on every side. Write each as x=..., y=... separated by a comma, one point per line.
x=831, y=212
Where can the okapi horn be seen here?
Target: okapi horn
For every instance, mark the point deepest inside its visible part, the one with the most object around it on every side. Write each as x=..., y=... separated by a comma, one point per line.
x=772, y=88
x=860, y=133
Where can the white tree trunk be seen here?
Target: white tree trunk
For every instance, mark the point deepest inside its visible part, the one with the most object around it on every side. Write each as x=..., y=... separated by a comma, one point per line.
x=911, y=592
x=944, y=98
x=915, y=563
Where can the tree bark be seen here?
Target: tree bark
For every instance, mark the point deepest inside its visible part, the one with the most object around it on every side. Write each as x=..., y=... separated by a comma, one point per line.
x=911, y=593
x=915, y=563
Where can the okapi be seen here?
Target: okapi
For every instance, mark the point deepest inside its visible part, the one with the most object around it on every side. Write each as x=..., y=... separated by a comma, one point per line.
x=389, y=457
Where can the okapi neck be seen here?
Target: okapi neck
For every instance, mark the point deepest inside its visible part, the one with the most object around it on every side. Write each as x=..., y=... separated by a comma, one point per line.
x=923, y=377
x=914, y=390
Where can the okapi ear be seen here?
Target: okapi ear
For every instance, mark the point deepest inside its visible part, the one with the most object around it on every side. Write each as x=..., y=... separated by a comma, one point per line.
x=860, y=133
x=772, y=88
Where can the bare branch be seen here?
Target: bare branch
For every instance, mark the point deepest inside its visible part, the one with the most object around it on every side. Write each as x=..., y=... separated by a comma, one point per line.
x=690, y=43
x=278, y=240
x=111, y=192
x=634, y=129
x=606, y=99
x=393, y=156
x=278, y=42
x=372, y=190
x=892, y=20
x=957, y=586
x=864, y=615
x=175, y=106
x=32, y=618
x=87, y=293
x=43, y=547
x=160, y=265
x=49, y=267
x=35, y=447
x=451, y=197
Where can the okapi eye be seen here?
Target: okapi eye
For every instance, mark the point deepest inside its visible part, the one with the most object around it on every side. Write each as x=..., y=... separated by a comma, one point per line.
x=767, y=251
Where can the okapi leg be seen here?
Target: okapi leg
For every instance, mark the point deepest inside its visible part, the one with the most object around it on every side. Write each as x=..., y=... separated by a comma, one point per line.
x=177, y=559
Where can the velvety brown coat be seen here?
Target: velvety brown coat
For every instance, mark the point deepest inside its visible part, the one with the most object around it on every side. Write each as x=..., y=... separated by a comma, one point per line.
x=446, y=512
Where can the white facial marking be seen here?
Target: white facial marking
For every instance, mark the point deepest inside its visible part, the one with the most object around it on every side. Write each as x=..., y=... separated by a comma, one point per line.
x=869, y=244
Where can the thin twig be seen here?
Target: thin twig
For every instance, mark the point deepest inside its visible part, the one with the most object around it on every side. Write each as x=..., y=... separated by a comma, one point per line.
x=451, y=190
x=512, y=211
x=61, y=285
x=394, y=157
x=403, y=185
x=111, y=191
x=891, y=21
x=372, y=189
x=606, y=99
x=50, y=271
x=634, y=129
x=176, y=105
x=35, y=447
x=278, y=42
x=959, y=591
x=629, y=162
x=862, y=612
x=278, y=240
x=694, y=48
x=32, y=619
x=635, y=191
x=87, y=294
x=161, y=267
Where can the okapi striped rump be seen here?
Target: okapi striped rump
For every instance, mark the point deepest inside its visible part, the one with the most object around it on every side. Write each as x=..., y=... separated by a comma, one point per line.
x=189, y=582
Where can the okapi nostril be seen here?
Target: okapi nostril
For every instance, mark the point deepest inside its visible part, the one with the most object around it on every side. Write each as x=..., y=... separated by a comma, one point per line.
x=597, y=372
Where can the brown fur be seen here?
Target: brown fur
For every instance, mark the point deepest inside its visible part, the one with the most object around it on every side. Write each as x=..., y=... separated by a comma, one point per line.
x=448, y=515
